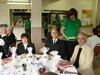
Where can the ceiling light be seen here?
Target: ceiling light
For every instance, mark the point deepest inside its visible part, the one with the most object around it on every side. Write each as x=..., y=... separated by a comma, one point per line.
x=21, y=3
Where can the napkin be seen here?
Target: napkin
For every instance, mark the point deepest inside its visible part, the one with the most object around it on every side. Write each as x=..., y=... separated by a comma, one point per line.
x=0, y=55
x=13, y=50
x=55, y=57
x=44, y=49
x=30, y=55
x=71, y=69
x=2, y=42
x=54, y=53
x=0, y=61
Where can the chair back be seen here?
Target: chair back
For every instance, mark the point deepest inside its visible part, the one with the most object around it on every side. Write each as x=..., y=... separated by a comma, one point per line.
x=97, y=49
x=96, y=52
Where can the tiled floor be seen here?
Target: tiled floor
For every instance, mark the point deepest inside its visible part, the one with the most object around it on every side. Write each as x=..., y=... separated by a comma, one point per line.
x=97, y=66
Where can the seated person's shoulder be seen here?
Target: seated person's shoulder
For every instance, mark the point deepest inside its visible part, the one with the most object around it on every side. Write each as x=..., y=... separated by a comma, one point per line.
x=77, y=46
x=31, y=43
x=48, y=40
x=62, y=41
x=19, y=44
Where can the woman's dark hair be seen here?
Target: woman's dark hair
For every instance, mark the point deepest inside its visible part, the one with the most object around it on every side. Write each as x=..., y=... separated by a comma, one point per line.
x=24, y=35
x=95, y=31
x=72, y=11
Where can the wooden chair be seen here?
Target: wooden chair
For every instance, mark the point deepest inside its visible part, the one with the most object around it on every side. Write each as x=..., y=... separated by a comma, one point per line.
x=97, y=50
x=96, y=53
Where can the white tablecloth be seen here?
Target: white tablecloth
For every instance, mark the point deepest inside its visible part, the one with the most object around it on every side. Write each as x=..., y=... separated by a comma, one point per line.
x=15, y=68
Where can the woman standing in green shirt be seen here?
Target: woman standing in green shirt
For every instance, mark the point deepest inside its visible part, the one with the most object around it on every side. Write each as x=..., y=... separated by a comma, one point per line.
x=70, y=28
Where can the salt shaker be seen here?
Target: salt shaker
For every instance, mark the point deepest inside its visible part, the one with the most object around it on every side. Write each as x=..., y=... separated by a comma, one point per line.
x=24, y=66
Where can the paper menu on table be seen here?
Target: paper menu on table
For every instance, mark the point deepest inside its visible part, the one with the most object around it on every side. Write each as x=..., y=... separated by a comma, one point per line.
x=71, y=69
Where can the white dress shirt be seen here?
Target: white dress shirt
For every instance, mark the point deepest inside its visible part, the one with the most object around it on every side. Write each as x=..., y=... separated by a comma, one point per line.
x=92, y=41
x=2, y=42
x=25, y=46
x=54, y=41
x=4, y=35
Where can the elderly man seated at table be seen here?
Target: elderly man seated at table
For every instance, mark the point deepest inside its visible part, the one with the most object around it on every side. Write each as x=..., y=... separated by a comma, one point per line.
x=9, y=39
x=11, y=35
x=55, y=44
x=82, y=57
x=22, y=47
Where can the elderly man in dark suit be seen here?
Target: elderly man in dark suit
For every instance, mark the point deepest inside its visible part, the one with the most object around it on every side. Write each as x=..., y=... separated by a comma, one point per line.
x=55, y=44
x=11, y=35
x=9, y=39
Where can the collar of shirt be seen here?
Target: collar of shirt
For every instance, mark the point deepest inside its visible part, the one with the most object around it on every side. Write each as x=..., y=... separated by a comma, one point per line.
x=83, y=46
x=4, y=35
x=55, y=40
x=25, y=46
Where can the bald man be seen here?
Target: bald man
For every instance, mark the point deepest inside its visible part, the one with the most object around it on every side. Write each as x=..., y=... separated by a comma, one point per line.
x=55, y=44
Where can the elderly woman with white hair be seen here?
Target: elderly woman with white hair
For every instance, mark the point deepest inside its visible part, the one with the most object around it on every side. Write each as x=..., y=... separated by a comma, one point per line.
x=82, y=57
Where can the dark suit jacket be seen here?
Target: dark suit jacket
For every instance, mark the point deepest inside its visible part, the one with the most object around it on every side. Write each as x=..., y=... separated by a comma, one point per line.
x=58, y=46
x=6, y=45
x=20, y=48
x=12, y=38
x=1, y=50
x=9, y=40
x=48, y=36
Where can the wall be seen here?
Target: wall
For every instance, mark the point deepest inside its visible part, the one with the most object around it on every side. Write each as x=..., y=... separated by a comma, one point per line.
x=5, y=16
x=58, y=5
x=98, y=13
x=4, y=10
x=67, y=4
x=36, y=27
x=55, y=5
x=95, y=4
x=78, y=4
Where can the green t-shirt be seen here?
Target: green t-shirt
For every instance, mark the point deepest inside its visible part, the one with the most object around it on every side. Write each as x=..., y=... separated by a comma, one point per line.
x=45, y=25
x=71, y=28
x=27, y=23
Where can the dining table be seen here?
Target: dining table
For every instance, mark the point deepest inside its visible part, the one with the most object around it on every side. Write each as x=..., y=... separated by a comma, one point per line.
x=36, y=65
